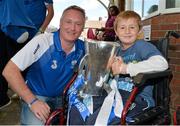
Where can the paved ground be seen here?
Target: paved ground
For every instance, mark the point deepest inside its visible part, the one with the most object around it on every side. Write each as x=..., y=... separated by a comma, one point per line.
x=10, y=115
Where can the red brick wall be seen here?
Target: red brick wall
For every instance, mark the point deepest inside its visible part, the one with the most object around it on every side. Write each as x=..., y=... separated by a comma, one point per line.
x=159, y=26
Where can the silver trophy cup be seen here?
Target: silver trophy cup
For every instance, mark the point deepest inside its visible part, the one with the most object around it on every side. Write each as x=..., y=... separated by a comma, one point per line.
x=94, y=65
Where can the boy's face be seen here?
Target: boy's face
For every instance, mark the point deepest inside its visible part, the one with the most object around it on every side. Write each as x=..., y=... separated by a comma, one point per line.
x=127, y=31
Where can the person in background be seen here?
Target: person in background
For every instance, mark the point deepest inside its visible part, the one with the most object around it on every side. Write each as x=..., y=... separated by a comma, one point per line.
x=40, y=12
x=90, y=34
x=16, y=29
x=99, y=33
x=130, y=61
x=30, y=18
x=13, y=36
x=51, y=58
x=16, y=25
x=4, y=98
x=109, y=34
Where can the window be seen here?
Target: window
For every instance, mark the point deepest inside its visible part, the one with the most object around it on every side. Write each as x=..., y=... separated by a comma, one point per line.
x=138, y=7
x=149, y=8
x=172, y=4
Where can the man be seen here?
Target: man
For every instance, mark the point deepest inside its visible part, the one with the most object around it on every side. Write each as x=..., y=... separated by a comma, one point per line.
x=51, y=58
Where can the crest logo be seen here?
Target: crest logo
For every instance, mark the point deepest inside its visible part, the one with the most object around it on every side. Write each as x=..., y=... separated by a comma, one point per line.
x=54, y=64
x=73, y=63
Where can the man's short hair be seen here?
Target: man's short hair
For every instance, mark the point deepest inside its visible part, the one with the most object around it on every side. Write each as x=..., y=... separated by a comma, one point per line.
x=74, y=7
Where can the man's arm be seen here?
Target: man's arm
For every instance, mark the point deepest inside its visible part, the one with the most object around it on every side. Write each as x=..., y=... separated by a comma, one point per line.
x=48, y=18
x=15, y=79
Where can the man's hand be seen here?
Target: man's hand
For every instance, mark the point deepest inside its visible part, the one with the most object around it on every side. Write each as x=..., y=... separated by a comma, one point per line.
x=41, y=110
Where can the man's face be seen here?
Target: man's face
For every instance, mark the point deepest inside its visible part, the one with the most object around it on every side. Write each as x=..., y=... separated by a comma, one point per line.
x=71, y=25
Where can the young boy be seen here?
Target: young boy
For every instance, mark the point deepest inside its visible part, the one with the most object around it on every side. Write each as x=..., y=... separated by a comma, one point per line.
x=134, y=56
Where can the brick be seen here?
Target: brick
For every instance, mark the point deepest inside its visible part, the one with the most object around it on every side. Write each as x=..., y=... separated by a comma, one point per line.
x=177, y=68
x=178, y=26
x=158, y=33
x=176, y=82
x=172, y=18
x=178, y=54
x=175, y=100
x=175, y=96
x=176, y=75
x=172, y=67
x=168, y=27
x=173, y=40
x=156, y=20
x=177, y=41
x=174, y=47
x=155, y=27
x=174, y=61
x=172, y=54
x=156, y=38
x=146, y=22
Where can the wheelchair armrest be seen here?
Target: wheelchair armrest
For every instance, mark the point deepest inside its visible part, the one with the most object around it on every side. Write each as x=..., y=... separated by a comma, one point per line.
x=139, y=81
x=141, y=78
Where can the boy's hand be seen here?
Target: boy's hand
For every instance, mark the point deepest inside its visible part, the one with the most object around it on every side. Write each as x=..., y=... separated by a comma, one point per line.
x=118, y=66
x=110, y=62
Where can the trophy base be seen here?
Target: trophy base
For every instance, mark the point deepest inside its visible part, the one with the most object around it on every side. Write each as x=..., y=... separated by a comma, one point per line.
x=85, y=93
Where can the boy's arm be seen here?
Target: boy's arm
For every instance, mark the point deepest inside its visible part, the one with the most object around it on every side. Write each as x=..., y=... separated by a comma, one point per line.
x=154, y=63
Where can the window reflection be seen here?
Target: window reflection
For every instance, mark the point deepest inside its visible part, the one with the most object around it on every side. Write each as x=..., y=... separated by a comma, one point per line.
x=150, y=6
x=172, y=4
x=145, y=7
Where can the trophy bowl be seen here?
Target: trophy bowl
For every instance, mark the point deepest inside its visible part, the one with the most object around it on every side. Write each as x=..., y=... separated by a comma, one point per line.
x=94, y=65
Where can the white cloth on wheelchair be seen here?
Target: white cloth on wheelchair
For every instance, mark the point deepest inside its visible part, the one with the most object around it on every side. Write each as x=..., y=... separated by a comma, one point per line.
x=105, y=111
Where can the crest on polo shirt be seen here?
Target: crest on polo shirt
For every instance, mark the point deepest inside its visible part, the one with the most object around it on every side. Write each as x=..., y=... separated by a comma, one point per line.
x=73, y=63
x=54, y=64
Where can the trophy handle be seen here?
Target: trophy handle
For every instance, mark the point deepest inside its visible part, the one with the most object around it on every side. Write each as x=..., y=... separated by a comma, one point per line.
x=83, y=64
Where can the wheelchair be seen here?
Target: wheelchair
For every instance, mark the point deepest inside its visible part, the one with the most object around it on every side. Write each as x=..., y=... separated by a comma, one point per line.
x=158, y=115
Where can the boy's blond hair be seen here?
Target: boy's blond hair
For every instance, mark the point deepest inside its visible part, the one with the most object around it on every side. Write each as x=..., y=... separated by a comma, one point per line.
x=126, y=15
